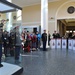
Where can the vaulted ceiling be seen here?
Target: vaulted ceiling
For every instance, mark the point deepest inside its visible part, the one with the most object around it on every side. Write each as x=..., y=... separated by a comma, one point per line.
x=23, y=3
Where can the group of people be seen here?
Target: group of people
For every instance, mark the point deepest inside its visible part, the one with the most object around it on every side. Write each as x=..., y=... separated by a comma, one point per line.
x=70, y=35
x=33, y=40
x=13, y=41
x=30, y=40
x=11, y=44
x=56, y=35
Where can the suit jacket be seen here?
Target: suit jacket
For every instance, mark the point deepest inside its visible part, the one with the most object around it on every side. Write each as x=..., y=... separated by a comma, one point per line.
x=44, y=37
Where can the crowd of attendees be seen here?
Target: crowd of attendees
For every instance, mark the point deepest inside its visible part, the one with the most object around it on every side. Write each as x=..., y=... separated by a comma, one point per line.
x=70, y=35
x=28, y=41
x=9, y=42
x=31, y=40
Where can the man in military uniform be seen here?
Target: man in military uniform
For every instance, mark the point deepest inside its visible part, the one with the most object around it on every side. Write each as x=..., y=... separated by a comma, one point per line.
x=17, y=45
x=1, y=38
x=12, y=43
x=1, y=32
x=5, y=42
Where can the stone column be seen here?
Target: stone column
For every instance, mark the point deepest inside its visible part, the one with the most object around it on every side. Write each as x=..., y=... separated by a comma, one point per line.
x=44, y=16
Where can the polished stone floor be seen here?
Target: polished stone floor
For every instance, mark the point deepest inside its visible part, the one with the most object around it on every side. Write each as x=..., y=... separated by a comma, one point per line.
x=51, y=62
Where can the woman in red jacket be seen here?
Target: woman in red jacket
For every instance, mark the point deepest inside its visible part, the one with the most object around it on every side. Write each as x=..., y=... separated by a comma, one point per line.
x=33, y=39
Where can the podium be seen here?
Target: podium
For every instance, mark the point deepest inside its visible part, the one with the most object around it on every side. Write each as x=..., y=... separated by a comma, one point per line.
x=73, y=44
x=70, y=44
x=53, y=43
x=64, y=43
x=58, y=43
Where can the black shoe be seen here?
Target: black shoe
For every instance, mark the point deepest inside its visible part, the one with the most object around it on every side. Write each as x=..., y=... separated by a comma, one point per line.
x=1, y=65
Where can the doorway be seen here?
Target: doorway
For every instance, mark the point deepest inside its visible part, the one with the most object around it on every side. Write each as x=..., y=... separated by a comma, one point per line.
x=35, y=30
x=66, y=26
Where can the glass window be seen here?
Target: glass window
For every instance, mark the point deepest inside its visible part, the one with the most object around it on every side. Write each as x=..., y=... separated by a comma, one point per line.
x=19, y=12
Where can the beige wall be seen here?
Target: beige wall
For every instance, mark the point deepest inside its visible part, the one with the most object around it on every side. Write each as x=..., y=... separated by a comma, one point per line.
x=63, y=11
x=51, y=27
x=31, y=15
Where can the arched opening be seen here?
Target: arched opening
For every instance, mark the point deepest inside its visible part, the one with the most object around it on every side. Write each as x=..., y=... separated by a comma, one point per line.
x=65, y=18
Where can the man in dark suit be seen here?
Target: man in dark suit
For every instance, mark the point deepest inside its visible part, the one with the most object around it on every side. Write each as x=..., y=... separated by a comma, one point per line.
x=54, y=34
x=44, y=40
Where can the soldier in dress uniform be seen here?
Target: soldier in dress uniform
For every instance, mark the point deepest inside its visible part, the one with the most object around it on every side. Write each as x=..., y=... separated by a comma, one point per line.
x=17, y=45
x=12, y=43
x=1, y=42
x=1, y=38
x=5, y=42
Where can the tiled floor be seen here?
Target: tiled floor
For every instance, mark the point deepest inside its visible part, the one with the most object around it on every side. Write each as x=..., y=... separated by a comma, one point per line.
x=51, y=62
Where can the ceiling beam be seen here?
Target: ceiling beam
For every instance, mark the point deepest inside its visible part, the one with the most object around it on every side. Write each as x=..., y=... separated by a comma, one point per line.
x=10, y=4
x=64, y=22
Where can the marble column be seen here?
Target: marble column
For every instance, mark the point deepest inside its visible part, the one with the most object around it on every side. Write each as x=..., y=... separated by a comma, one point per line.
x=44, y=17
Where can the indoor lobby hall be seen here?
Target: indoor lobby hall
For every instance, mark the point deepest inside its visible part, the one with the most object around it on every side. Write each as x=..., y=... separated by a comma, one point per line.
x=20, y=20
x=50, y=62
